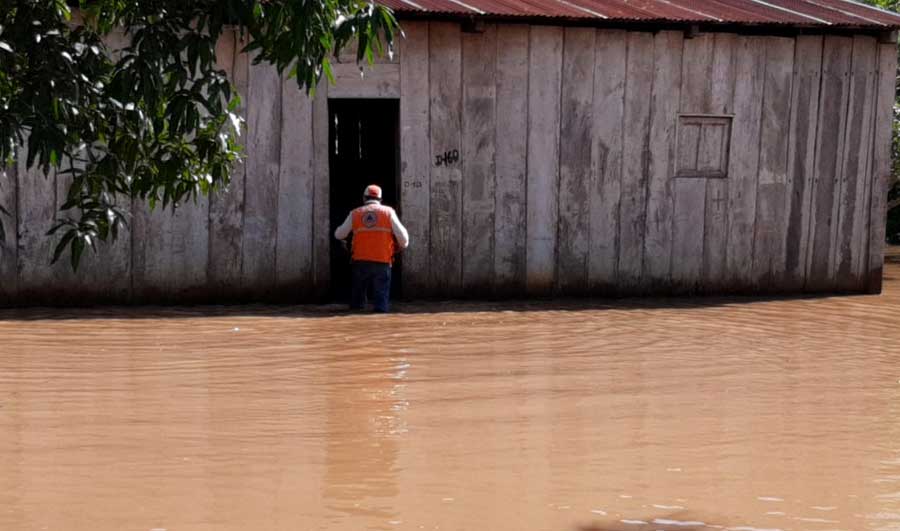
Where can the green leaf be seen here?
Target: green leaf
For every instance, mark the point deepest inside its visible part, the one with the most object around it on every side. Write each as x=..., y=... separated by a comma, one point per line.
x=61, y=246
x=326, y=65
x=77, y=250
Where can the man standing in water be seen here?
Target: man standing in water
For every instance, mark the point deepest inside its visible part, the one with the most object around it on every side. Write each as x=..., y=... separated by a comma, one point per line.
x=377, y=232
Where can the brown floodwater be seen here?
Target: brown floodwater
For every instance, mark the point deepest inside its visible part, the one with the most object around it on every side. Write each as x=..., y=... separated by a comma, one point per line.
x=626, y=415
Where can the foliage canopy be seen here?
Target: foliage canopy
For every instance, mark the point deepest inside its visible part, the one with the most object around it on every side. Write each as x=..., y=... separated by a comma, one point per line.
x=155, y=120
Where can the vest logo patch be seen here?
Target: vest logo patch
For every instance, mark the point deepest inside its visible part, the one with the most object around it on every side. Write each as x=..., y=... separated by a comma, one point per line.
x=369, y=219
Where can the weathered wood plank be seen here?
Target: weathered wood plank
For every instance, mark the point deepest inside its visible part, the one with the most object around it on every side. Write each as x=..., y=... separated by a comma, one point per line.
x=853, y=211
x=445, y=90
x=664, y=103
x=170, y=251
x=293, y=250
x=861, y=220
x=771, y=215
x=9, y=249
x=611, y=50
x=881, y=163
x=715, y=223
x=376, y=81
x=36, y=215
x=801, y=156
x=226, y=206
x=544, y=77
x=479, y=55
x=690, y=193
x=696, y=89
x=415, y=157
x=750, y=61
x=261, y=186
x=635, y=159
x=511, y=143
x=323, y=232
x=575, y=149
x=830, y=141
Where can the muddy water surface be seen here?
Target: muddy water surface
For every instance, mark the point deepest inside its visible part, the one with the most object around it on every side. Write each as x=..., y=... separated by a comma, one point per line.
x=637, y=415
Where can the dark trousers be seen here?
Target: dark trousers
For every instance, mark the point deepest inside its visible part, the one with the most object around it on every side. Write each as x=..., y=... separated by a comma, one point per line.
x=370, y=275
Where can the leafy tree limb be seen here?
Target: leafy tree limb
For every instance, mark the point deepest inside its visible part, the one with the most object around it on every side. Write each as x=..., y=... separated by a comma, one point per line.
x=156, y=120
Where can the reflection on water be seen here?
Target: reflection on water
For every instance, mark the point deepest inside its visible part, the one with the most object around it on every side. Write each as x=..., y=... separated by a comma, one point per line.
x=618, y=416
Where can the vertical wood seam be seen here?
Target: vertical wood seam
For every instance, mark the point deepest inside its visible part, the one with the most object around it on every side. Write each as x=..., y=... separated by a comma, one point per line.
x=527, y=172
x=132, y=247
x=646, y=165
x=462, y=176
x=273, y=286
x=559, y=110
x=593, y=66
x=18, y=220
x=867, y=183
x=870, y=175
x=240, y=279
x=493, y=269
x=591, y=185
x=810, y=255
x=618, y=242
x=762, y=110
x=670, y=274
x=15, y=227
x=430, y=276
x=243, y=191
x=463, y=166
x=493, y=281
x=278, y=177
x=839, y=169
x=872, y=172
x=728, y=154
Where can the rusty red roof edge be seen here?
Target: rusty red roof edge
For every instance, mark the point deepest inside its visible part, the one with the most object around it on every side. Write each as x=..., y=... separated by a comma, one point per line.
x=822, y=14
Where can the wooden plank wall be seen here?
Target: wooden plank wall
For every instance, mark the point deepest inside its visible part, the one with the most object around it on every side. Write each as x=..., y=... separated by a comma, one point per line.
x=511, y=134
x=769, y=237
x=542, y=159
x=569, y=143
x=415, y=171
x=445, y=91
x=610, y=55
x=667, y=49
x=881, y=162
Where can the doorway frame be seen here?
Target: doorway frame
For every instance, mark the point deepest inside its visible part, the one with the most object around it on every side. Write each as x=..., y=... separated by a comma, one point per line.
x=396, y=187
x=380, y=81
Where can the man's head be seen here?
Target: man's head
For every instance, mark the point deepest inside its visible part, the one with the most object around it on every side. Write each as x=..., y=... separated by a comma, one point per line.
x=372, y=193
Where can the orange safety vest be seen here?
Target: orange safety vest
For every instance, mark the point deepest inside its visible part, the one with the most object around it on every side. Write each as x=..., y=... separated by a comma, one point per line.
x=373, y=234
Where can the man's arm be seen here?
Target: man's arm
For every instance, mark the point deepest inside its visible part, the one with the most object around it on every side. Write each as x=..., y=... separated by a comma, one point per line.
x=399, y=231
x=345, y=229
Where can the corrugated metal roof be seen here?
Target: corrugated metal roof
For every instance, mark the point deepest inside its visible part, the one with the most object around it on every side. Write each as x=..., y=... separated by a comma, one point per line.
x=821, y=13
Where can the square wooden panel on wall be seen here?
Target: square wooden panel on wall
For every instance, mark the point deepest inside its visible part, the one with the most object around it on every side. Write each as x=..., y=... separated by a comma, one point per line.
x=703, y=146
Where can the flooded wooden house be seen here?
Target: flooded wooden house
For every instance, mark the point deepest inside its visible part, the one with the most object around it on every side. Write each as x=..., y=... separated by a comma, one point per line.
x=537, y=147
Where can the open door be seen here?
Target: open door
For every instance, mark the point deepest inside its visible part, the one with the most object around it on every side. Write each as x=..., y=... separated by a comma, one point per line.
x=364, y=142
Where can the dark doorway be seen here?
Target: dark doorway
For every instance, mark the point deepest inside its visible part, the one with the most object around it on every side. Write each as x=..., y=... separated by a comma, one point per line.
x=363, y=140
